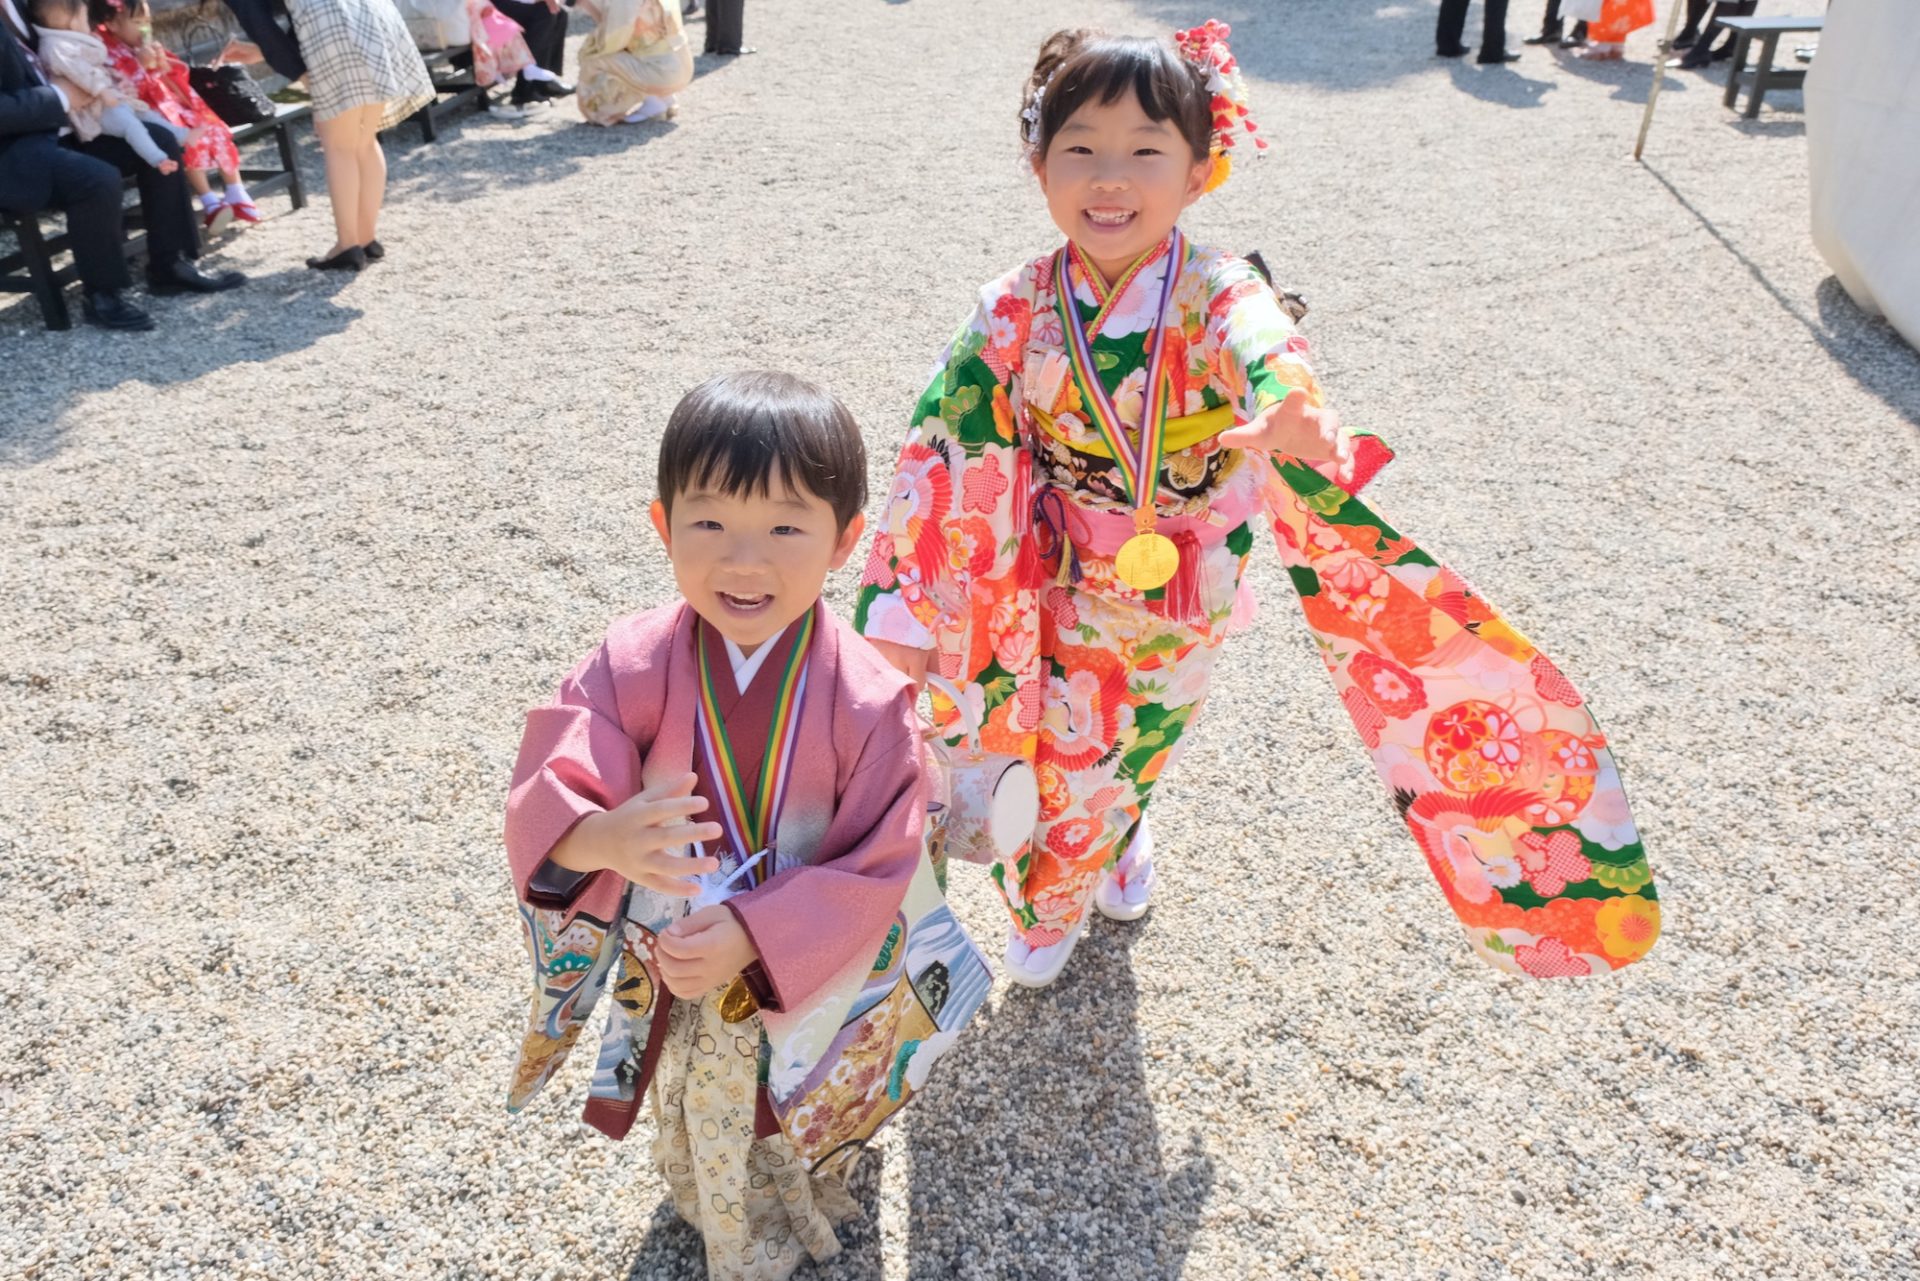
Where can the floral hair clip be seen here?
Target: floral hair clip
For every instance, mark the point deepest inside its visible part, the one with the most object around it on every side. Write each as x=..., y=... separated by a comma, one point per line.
x=1205, y=47
x=1031, y=112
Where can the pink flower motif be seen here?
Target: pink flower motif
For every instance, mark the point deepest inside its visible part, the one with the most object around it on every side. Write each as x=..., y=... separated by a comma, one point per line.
x=1366, y=717
x=1552, y=863
x=1549, y=958
x=879, y=570
x=1066, y=615
x=1393, y=689
x=1502, y=744
x=982, y=485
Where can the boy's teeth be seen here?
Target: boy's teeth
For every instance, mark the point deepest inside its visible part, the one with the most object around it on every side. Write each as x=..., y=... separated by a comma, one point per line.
x=1109, y=217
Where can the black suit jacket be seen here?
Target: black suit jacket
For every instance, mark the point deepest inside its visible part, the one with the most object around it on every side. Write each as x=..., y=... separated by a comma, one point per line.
x=260, y=20
x=29, y=107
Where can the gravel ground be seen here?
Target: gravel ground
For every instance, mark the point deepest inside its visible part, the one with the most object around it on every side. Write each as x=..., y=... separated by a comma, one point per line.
x=281, y=578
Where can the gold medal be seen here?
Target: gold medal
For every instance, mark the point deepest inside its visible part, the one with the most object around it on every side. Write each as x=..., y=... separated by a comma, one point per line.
x=737, y=1003
x=1147, y=561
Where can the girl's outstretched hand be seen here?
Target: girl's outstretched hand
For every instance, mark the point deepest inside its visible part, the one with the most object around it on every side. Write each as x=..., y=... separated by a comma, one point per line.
x=1312, y=433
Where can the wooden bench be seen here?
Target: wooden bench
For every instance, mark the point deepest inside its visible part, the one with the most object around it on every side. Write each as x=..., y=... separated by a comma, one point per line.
x=1765, y=75
x=30, y=270
x=454, y=87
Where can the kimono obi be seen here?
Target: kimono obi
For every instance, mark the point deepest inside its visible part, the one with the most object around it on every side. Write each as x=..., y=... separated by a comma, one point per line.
x=1182, y=433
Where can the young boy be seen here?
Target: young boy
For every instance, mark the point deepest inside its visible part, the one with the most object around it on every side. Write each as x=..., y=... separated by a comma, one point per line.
x=750, y=705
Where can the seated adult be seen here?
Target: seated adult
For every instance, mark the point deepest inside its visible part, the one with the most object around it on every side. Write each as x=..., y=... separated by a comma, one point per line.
x=545, y=25
x=39, y=172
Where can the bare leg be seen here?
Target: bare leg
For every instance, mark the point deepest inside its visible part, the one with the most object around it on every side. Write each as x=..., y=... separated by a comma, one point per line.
x=197, y=179
x=338, y=147
x=373, y=177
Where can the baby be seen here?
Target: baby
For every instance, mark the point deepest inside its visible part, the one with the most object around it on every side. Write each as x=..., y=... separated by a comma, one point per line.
x=97, y=103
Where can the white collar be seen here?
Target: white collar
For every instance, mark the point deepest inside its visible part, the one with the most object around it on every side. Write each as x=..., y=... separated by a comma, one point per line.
x=745, y=667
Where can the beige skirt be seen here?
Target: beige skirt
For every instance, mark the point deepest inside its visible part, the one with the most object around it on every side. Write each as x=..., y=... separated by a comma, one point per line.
x=760, y=1212
x=358, y=54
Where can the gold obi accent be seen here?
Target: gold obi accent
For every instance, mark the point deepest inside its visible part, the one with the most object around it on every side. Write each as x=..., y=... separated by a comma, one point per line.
x=1182, y=433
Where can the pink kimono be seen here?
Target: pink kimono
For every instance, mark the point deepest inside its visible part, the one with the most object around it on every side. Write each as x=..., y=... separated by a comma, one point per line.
x=849, y=840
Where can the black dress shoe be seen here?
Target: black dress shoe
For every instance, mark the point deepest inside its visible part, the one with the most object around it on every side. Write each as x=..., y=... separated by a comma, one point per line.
x=1497, y=56
x=1550, y=36
x=1686, y=39
x=374, y=250
x=549, y=89
x=352, y=258
x=734, y=53
x=1457, y=51
x=107, y=309
x=184, y=277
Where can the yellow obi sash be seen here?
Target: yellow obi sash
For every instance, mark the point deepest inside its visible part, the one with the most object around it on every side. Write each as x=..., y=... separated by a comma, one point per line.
x=1182, y=433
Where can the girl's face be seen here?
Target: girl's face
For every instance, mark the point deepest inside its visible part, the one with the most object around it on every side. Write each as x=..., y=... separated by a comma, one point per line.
x=129, y=25
x=1117, y=181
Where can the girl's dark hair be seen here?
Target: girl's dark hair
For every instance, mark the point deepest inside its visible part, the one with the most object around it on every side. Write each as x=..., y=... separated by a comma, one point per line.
x=100, y=12
x=1092, y=66
x=733, y=431
x=40, y=8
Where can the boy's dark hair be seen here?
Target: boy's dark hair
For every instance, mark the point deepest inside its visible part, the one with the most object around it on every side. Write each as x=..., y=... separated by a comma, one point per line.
x=65, y=8
x=734, y=431
x=1095, y=67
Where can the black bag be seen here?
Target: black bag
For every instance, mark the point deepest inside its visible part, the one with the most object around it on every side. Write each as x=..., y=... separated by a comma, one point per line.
x=233, y=94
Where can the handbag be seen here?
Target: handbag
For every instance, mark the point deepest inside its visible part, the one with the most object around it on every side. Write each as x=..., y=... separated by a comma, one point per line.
x=987, y=804
x=233, y=94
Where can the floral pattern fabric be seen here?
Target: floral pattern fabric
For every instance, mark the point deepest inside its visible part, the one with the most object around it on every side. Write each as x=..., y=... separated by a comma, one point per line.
x=996, y=552
x=158, y=78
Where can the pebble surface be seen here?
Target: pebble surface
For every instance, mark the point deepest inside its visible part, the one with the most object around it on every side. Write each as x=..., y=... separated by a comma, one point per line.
x=281, y=578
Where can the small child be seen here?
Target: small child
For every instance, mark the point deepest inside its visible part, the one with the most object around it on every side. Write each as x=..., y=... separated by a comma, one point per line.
x=1070, y=524
x=749, y=701
x=158, y=78
x=96, y=102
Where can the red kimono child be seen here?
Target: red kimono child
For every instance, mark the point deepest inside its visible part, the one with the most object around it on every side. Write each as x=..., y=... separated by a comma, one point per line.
x=158, y=78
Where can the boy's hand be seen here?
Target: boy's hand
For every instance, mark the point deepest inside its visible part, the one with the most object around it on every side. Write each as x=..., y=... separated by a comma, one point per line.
x=698, y=953
x=1295, y=426
x=637, y=840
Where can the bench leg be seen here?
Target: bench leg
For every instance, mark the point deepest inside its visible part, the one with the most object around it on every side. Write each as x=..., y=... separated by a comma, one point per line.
x=283, y=136
x=1735, y=65
x=429, y=128
x=1761, y=71
x=46, y=282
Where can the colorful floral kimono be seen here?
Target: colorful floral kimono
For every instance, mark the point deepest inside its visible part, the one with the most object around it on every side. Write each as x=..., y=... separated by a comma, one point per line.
x=997, y=552
x=848, y=851
x=638, y=51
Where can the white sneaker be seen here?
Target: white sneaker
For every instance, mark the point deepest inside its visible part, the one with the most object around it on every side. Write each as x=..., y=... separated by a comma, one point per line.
x=1039, y=966
x=1123, y=892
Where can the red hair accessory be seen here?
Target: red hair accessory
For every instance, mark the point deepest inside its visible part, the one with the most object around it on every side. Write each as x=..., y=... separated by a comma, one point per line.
x=1205, y=47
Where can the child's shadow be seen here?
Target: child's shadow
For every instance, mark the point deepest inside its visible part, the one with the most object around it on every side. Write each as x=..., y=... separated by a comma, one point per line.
x=1035, y=1148
x=672, y=1249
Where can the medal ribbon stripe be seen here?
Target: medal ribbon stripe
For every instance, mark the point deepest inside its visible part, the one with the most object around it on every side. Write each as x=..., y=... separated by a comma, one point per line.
x=1138, y=460
x=750, y=824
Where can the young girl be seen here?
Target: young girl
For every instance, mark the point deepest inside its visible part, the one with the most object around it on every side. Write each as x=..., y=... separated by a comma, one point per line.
x=1074, y=508
x=97, y=103
x=158, y=78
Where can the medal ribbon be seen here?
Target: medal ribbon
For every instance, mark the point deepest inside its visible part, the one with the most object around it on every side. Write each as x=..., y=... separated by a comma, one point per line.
x=1137, y=460
x=750, y=821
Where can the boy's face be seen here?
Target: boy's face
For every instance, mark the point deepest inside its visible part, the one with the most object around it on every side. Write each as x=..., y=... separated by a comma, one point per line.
x=751, y=563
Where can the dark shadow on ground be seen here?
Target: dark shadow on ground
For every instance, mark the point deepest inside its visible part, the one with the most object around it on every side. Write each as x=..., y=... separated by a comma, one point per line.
x=1503, y=86
x=1069, y=1178
x=1868, y=348
x=46, y=372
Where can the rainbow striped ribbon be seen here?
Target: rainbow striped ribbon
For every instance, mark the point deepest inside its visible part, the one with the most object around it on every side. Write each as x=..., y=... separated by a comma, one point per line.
x=751, y=821
x=1137, y=460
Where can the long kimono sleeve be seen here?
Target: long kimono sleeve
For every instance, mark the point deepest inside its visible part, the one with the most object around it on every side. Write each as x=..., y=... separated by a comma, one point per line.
x=1262, y=358
x=870, y=850
x=951, y=518
x=575, y=760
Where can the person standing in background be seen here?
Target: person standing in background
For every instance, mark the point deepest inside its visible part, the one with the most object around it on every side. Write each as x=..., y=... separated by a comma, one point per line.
x=723, y=28
x=1493, y=31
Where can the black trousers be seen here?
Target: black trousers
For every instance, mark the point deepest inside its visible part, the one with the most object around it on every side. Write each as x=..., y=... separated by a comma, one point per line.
x=723, y=25
x=1453, y=23
x=546, y=32
x=1700, y=54
x=87, y=191
x=173, y=232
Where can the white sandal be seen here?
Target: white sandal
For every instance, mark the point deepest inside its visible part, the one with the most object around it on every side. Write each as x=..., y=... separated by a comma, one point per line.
x=1039, y=966
x=1123, y=892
